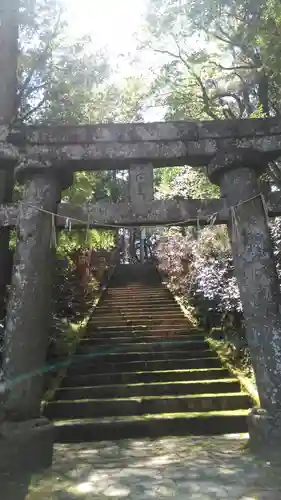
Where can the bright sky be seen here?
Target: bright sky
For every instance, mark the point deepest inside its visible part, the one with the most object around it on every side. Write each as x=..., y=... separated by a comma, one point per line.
x=111, y=23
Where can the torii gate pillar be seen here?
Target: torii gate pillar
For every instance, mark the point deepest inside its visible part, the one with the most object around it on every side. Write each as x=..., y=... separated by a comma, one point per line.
x=9, y=10
x=22, y=429
x=236, y=171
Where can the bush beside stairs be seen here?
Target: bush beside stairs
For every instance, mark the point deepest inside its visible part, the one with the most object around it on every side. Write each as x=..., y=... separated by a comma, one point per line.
x=142, y=371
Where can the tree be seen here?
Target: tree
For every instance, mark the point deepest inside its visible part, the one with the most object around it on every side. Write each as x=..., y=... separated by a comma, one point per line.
x=185, y=182
x=61, y=81
x=218, y=52
x=213, y=60
x=65, y=82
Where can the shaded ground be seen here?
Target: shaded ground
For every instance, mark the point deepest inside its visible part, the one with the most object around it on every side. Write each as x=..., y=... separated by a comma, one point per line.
x=182, y=468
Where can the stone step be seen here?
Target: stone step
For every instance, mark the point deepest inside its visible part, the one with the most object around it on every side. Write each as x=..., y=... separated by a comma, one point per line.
x=147, y=323
x=86, y=347
x=146, y=377
x=143, y=288
x=93, y=408
x=136, y=366
x=140, y=322
x=140, y=315
x=152, y=426
x=133, y=311
x=146, y=289
x=143, y=371
x=131, y=301
x=138, y=293
x=132, y=298
x=149, y=389
x=135, y=307
x=136, y=340
x=154, y=287
x=120, y=315
x=107, y=356
x=114, y=285
x=111, y=331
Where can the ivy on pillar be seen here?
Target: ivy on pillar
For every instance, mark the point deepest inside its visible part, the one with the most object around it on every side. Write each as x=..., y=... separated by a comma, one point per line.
x=28, y=314
x=237, y=172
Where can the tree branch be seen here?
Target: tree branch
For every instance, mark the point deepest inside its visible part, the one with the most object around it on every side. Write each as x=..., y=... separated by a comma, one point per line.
x=42, y=57
x=275, y=172
x=205, y=97
x=221, y=95
x=232, y=68
x=34, y=89
x=32, y=111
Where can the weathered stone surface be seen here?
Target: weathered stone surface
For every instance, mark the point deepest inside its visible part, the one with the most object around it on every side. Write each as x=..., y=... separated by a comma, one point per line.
x=141, y=184
x=9, y=155
x=116, y=146
x=120, y=155
x=112, y=155
x=8, y=60
x=140, y=191
x=157, y=212
x=29, y=167
x=8, y=108
x=9, y=214
x=159, y=131
x=255, y=270
x=26, y=446
x=6, y=194
x=265, y=432
x=233, y=158
x=153, y=212
x=29, y=307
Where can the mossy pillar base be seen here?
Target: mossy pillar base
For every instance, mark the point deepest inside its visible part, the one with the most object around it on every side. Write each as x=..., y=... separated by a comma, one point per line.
x=26, y=448
x=265, y=433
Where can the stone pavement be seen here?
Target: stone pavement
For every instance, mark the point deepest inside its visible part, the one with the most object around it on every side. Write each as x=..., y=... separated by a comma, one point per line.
x=172, y=468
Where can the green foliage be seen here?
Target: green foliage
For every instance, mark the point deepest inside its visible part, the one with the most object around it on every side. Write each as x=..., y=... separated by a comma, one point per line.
x=221, y=57
x=83, y=238
x=67, y=83
x=214, y=59
x=186, y=182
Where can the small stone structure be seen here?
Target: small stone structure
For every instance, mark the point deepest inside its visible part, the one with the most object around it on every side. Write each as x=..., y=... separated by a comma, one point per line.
x=140, y=193
x=235, y=153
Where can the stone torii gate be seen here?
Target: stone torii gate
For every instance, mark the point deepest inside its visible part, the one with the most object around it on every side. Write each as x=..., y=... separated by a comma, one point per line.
x=235, y=153
x=44, y=158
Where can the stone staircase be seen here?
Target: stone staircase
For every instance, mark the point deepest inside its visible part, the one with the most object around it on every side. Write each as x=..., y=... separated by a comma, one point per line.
x=142, y=371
